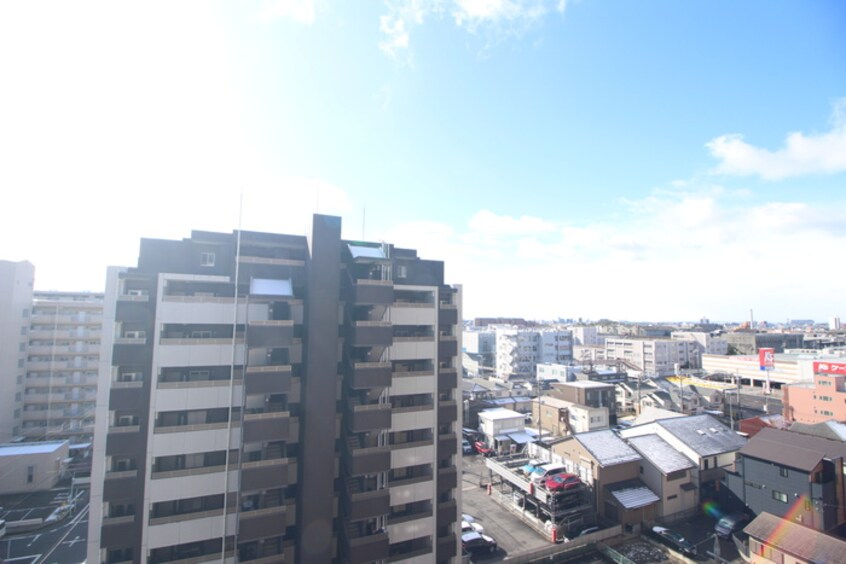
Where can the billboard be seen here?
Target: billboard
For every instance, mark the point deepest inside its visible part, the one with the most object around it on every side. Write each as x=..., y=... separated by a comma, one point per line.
x=829, y=367
x=766, y=358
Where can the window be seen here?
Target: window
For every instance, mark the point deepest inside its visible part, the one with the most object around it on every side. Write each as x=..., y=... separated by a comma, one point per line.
x=402, y=271
x=782, y=471
x=807, y=505
x=206, y=259
x=674, y=496
x=30, y=474
x=779, y=496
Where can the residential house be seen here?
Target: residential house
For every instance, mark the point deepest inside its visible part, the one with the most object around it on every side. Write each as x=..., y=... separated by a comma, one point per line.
x=668, y=473
x=773, y=540
x=589, y=393
x=563, y=418
x=790, y=474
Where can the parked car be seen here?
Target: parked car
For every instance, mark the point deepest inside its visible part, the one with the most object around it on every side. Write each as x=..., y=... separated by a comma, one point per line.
x=562, y=481
x=530, y=466
x=731, y=524
x=674, y=540
x=543, y=473
x=475, y=543
x=466, y=447
x=483, y=448
x=471, y=527
x=588, y=530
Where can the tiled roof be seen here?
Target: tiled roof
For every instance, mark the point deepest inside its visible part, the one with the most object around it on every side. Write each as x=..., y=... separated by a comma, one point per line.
x=795, y=450
x=607, y=448
x=797, y=540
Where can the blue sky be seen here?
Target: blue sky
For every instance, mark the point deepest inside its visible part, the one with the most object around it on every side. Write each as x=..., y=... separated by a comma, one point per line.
x=648, y=160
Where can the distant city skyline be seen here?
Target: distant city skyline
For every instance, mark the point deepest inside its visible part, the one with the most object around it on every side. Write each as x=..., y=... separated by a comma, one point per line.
x=633, y=161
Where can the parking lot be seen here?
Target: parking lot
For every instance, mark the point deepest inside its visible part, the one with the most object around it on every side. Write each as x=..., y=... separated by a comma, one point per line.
x=513, y=537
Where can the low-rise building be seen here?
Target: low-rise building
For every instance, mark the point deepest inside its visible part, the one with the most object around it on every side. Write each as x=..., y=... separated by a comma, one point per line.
x=773, y=540
x=667, y=472
x=496, y=425
x=589, y=393
x=748, y=342
x=563, y=418
x=654, y=356
x=787, y=473
x=31, y=467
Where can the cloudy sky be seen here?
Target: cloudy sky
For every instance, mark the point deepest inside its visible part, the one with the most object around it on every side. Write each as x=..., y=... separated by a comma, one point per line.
x=650, y=160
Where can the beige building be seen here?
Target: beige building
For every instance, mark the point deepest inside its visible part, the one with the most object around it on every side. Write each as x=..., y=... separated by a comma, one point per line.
x=773, y=540
x=654, y=356
x=31, y=467
x=61, y=368
x=562, y=418
x=667, y=472
x=16, y=282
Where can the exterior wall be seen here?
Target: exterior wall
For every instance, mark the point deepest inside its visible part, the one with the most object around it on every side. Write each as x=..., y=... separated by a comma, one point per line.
x=749, y=343
x=760, y=552
x=31, y=472
x=674, y=499
x=198, y=383
x=705, y=343
x=655, y=356
x=825, y=400
x=519, y=351
x=16, y=281
x=747, y=368
x=585, y=335
x=62, y=363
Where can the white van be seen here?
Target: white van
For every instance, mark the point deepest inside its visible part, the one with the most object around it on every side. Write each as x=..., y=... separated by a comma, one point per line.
x=543, y=473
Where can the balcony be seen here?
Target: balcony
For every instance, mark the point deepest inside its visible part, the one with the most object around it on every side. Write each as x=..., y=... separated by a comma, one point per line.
x=366, y=460
x=366, y=504
x=447, y=412
x=262, y=523
x=270, y=333
x=267, y=427
x=366, y=375
x=447, y=379
x=447, y=346
x=447, y=513
x=115, y=489
x=371, y=334
x=373, y=292
x=369, y=417
x=365, y=548
x=447, y=547
x=267, y=474
x=125, y=440
x=268, y=379
x=125, y=398
x=447, y=445
x=448, y=314
x=447, y=478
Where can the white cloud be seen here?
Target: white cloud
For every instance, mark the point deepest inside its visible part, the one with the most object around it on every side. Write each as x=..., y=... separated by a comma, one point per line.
x=499, y=18
x=671, y=256
x=802, y=154
x=301, y=11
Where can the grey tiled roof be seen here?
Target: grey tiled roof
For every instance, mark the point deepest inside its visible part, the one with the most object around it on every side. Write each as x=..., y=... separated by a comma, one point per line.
x=607, y=448
x=797, y=540
x=659, y=452
x=704, y=434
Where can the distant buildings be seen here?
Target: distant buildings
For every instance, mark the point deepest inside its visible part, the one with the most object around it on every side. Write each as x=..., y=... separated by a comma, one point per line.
x=31, y=467
x=16, y=287
x=748, y=342
x=63, y=357
x=519, y=351
x=654, y=356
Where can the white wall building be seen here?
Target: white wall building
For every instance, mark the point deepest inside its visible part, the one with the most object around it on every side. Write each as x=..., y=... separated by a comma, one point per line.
x=519, y=351
x=654, y=356
x=705, y=342
x=16, y=281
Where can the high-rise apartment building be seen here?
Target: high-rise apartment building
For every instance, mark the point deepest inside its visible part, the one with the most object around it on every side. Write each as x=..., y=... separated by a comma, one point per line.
x=63, y=351
x=312, y=418
x=519, y=351
x=16, y=282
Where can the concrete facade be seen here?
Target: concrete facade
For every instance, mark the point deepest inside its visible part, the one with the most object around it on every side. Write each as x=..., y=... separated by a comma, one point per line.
x=654, y=356
x=277, y=398
x=32, y=467
x=16, y=283
x=822, y=400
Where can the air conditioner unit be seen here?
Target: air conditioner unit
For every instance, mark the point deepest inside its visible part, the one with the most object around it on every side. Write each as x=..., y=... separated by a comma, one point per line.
x=135, y=293
x=130, y=377
x=135, y=335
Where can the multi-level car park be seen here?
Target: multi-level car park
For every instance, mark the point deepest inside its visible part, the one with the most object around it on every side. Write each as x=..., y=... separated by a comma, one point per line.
x=563, y=506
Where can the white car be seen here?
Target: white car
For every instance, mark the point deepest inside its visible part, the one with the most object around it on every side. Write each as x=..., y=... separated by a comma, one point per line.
x=468, y=527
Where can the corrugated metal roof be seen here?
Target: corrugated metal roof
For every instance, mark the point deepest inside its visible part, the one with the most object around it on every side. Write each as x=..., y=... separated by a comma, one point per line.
x=802, y=542
x=659, y=452
x=30, y=448
x=607, y=448
x=634, y=496
x=794, y=450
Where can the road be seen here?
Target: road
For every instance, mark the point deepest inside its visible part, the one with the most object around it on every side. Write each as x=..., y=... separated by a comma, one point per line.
x=63, y=543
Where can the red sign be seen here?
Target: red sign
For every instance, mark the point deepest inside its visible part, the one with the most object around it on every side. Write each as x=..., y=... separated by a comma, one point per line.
x=829, y=368
x=766, y=358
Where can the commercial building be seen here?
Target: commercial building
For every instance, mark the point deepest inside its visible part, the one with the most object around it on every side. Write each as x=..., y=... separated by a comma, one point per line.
x=16, y=282
x=62, y=361
x=659, y=357
x=824, y=399
x=277, y=398
x=748, y=342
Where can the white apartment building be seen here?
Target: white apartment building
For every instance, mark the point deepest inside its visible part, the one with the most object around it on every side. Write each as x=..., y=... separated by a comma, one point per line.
x=16, y=282
x=519, y=351
x=654, y=356
x=705, y=342
x=63, y=355
x=586, y=335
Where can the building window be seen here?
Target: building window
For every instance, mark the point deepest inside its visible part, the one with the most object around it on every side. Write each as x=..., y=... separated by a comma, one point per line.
x=674, y=496
x=206, y=259
x=779, y=496
x=782, y=471
x=30, y=474
x=807, y=505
